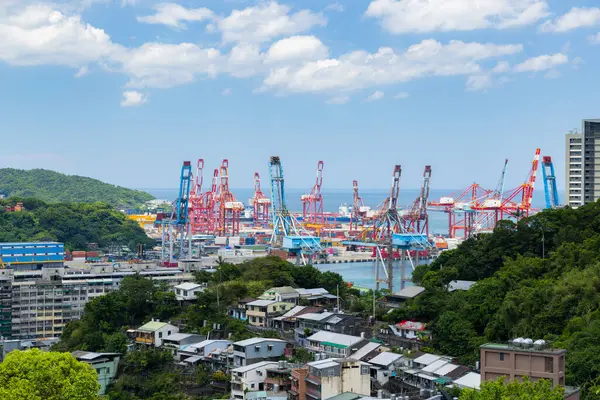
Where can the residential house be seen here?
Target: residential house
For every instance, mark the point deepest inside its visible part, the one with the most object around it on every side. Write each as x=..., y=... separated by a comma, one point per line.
x=261, y=312
x=334, y=345
x=153, y=332
x=249, y=378
x=366, y=352
x=523, y=357
x=460, y=285
x=105, y=364
x=395, y=300
x=318, y=296
x=327, y=321
x=281, y=294
x=428, y=371
x=298, y=384
x=212, y=353
x=238, y=311
x=472, y=380
x=251, y=351
x=174, y=342
x=383, y=366
x=188, y=291
x=287, y=321
x=330, y=377
x=407, y=334
x=279, y=380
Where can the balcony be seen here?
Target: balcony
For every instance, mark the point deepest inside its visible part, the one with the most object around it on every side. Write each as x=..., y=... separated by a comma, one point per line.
x=315, y=380
x=144, y=340
x=314, y=393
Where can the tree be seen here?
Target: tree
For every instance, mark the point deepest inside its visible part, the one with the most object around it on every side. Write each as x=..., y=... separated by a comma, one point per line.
x=526, y=390
x=38, y=375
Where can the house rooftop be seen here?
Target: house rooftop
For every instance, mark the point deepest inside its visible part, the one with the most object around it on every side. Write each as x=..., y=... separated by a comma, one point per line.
x=385, y=358
x=365, y=350
x=188, y=286
x=316, y=316
x=427, y=359
x=90, y=355
x=511, y=347
x=460, y=285
x=205, y=343
x=283, y=289
x=471, y=380
x=409, y=292
x=180, y=336
x=251, y=341
x=331, y=338
x=152, y=326
x=250, y=367
x=311, y=292
x=261, y=303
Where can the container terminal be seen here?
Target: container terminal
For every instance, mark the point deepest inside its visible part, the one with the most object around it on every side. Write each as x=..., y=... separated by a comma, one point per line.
x=207, y=220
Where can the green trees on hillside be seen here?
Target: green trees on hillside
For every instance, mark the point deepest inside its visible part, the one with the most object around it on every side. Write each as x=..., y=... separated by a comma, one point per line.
x=38, y=375
x=526, y=390
x=55, y=187
x=75, y=224
x=538, y=278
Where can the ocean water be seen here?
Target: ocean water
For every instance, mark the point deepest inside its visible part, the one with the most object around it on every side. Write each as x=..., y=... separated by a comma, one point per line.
x=332, y=199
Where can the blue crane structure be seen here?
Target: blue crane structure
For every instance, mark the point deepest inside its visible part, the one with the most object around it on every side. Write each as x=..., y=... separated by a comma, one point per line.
x=176, y=229
x=387, y=233
x=550, y=189
x=288, y=233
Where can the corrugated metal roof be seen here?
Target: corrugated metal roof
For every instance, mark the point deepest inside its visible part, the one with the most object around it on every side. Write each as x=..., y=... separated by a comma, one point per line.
x=261, y=303
x=385, y=358
x=316, y=316
x=152, y=326
x=471, y=380
x=428, y=377
x=192, y=359
x=290, y=313
x=178, y=336
x=363, y=351
x=188, y=286
x=434, y=366
x=427, y=359
x=251, y=341
x=445, y=369
x=337, y=338
x=410, y=291
x=262, y=364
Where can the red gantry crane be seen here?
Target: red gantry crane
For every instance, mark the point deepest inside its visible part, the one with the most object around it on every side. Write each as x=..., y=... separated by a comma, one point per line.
x=229, y=209
x=261, y=204
x=312, y=203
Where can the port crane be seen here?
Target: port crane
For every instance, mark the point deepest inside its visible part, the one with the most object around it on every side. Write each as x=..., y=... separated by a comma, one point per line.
x=288, y=233
x=312, y=203
x=359, y=211
x=417, y=220
x=550, y=189
x=197, y=209
x=260, y=203
x=229, y=209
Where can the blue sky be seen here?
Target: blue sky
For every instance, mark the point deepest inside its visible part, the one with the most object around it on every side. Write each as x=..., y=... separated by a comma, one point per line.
x=125, y=90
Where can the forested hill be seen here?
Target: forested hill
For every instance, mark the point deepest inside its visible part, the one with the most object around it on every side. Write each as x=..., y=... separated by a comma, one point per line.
x=74, y=224
x=55, y=187
x=539, y=278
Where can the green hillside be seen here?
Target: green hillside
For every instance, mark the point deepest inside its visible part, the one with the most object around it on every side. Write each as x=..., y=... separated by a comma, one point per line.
x=539, y=278
x=54, y=187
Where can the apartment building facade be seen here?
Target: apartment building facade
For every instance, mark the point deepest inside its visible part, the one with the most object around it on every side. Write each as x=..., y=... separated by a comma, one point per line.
x=582, y=164
x=330, y=377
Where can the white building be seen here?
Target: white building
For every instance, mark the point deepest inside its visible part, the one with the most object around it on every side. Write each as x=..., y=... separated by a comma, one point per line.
x=384, y=365
x=154, y=332
x=249, y=378
x=330, y=377
x=187, y=291
x=335, y=345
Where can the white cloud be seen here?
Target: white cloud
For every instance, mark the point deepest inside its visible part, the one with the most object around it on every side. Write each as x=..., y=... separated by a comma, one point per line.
x=595, y=39
x=39, y=34
x=402, y=16
x=542, y=63
x=360, y=69
x=502, y=66
x=82, y=71
x=133, y=98
x=377, y=95
x=165, y=65
x=337, y=7
x=575, y=18
x=338, y=100
x=401, y=96
x=244, y=60
x=265, y=22
x=226, y=92
x=297, y=48
x=174, y=15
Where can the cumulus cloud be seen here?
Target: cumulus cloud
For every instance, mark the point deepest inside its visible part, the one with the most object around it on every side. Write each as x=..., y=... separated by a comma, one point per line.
x=174, y=15
x=265, y=22
x=133, y=98
x=403, y=16
x=576, y=18
x=297, y=48
x=338, y=100
x=542, y=63
x=360, y=69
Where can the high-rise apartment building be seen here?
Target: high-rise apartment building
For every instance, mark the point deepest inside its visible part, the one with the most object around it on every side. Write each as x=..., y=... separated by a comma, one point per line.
x=582, y=163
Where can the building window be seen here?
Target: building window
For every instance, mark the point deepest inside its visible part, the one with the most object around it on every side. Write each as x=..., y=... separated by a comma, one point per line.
x=160, y=335
x=549, y=364
x=501, y=356
x=270, y=347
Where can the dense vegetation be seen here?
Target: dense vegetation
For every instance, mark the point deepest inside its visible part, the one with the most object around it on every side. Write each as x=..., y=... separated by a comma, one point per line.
x=38, y=375
x=75, y=224
x=55, y=187
x=526, y=390
x=107, y=318
x=538, y=278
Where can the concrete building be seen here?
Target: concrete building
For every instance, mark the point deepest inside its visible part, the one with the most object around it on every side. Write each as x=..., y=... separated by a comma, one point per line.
x=31, y=255
x=249, y=378
x=255, y=350
x=383, y=366
x=176, y=341
x=330, y=377
x=281, y=294
x=581, y=164
x=105, y=364
x=238, y=311
x=334, y=345
x=153, y=333
x=298, y=384
x=212, y=353
x=187, y=291
x=327, y=321
x=261, y=312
